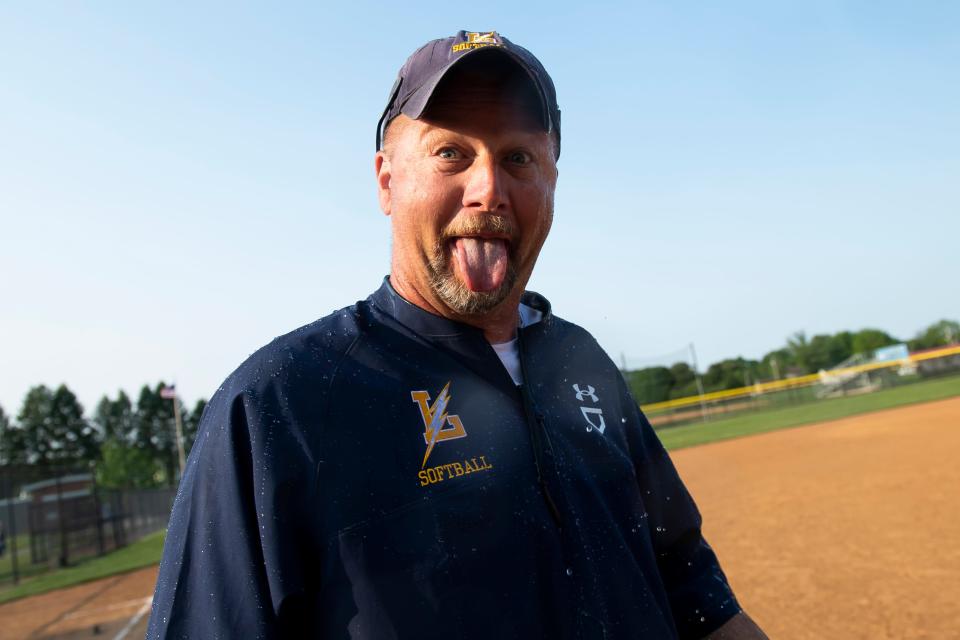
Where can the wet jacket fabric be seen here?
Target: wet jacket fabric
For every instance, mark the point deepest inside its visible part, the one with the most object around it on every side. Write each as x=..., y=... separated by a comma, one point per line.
x=377, y=475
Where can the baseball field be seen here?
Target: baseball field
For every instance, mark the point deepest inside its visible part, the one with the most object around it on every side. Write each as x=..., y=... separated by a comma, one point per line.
x=842, y=529
x=846, y=529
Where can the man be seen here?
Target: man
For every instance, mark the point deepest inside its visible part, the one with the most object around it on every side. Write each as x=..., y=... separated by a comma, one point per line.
x=446, y=459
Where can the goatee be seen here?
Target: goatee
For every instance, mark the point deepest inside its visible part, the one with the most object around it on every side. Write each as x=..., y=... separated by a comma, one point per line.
x=450, y=288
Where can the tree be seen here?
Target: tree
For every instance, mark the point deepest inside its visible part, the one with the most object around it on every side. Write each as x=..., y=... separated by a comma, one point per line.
x=731, y=373
x=54, y=429
x=12, y=446
x=154, y=429
x=191, y=424
x=823, y=351
x=774, y=364
x=939, y=334
x=123, y=466
x=841, y=347
x=798, y=351
x=826, y=351
x=867, y=341
x=115, y=418
x=650, y=385
x=684, y=380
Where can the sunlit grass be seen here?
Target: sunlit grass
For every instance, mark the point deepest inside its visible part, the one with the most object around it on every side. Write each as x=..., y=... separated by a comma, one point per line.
x=749, y=423
x=143, y=553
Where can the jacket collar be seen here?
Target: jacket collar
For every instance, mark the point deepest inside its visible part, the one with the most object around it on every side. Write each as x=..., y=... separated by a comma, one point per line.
x=426, y=324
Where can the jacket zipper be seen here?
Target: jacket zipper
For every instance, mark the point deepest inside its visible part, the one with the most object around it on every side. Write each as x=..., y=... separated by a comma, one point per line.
x=535, y=424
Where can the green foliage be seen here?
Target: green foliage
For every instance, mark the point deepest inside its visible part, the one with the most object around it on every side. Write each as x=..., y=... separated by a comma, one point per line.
x=774, y=365
x=123, y=466
x=191, y=424
x=683, y=374
x=53, y=429
x=939, y=334
x=823, y=351
x=130, y=446
x=154, y=430
x=801, y=355
x=828, y=351
x=798, y=352
x=754, y=422
x=684, y=380
x=730, y=374
x=650, y=385
x=139, y=447
x=115, y=418
x=656, y=384
x=12, y=449
x=143, y=553
x=867, y=341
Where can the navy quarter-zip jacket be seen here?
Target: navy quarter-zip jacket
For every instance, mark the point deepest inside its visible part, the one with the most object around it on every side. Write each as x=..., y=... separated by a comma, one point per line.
x=377, y=475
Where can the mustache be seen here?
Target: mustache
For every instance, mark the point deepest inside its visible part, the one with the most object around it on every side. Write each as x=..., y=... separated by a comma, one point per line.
x=485, y=224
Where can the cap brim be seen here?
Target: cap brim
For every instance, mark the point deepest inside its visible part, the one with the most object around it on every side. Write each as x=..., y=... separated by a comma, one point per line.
x=419, y=100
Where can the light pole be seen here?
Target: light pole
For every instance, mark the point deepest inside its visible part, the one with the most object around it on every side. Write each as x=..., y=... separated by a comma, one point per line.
x=696, y=373
x=170, y=393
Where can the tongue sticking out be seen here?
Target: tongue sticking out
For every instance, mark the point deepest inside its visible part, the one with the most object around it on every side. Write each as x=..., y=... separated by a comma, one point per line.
x=480, y=262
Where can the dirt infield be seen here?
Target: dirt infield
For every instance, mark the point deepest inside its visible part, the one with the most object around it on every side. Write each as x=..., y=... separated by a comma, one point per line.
x=107, y=608
x=847, y=529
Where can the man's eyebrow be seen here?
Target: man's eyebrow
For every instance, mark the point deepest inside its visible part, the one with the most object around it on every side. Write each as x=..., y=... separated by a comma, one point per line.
x=523, y=134
x=432, y=134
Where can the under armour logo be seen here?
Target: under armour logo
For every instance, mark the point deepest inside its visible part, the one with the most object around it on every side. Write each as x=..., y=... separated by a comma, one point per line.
x=588, y=393
x=593, y=415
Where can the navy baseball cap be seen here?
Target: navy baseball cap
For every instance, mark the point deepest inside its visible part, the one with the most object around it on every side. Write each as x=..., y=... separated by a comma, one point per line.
x=421, y=74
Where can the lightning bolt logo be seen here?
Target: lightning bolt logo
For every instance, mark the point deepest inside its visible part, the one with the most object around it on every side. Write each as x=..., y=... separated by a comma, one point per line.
x=438, y=424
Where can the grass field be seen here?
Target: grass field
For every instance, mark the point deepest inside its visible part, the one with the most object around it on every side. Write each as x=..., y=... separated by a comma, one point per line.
x=749, y=423
x=24, y=566
x=142, y=553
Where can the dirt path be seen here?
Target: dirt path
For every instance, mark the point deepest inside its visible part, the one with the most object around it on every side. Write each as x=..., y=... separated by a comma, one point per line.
x=96, y=609
x=848, y=529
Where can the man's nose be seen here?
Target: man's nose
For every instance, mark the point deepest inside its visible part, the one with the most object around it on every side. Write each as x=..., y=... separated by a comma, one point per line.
x=485, y=188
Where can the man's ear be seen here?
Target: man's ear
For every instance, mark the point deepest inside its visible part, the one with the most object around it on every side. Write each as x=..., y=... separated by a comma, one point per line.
x=382, y=167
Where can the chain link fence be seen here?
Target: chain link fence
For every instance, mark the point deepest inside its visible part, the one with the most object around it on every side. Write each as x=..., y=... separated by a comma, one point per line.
x=57, y=516
x=849, y=379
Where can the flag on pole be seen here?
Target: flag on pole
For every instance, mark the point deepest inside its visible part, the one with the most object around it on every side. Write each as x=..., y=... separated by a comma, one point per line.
x=168, y=393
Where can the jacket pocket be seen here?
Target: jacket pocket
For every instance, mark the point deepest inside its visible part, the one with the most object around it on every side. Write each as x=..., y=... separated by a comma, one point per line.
x=471, y=561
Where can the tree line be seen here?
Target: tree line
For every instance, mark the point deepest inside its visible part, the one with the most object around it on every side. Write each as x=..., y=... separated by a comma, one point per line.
x=127, y=444
x=800, y=355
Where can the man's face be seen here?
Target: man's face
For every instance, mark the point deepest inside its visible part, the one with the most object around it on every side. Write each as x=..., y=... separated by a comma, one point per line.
x=469, y=188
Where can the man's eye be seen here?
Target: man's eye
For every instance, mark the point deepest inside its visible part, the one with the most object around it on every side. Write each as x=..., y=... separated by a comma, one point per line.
x=449, y=153
x=520, y=157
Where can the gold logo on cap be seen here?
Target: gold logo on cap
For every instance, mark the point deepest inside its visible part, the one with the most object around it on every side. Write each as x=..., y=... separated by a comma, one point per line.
x=477, y=39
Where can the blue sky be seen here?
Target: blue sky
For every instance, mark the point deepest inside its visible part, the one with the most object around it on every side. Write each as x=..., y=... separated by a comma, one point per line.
x=179, y=184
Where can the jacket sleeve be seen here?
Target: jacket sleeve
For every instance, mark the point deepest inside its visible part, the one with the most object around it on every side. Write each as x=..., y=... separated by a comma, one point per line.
x=700, y=596
x=232, y=557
